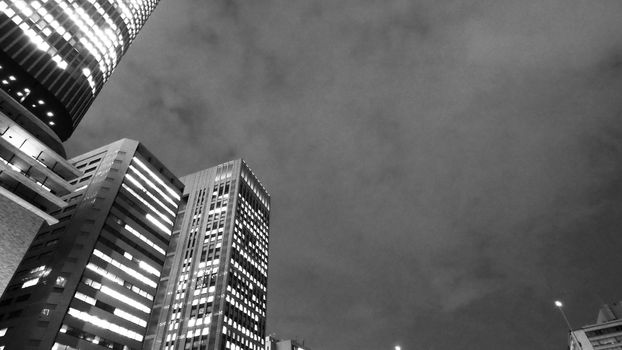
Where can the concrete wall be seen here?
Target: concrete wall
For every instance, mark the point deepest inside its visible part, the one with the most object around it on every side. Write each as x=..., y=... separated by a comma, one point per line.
x=18, y=227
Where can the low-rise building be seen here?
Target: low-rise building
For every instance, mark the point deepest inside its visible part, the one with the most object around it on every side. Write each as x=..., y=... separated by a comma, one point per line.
x=605, y=334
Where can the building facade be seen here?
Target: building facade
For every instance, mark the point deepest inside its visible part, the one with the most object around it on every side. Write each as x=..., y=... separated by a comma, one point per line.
x=214, y=286
x=273, y=343
x=90, y=281
x=55, y=55
x=605, y=334
x=34, y=177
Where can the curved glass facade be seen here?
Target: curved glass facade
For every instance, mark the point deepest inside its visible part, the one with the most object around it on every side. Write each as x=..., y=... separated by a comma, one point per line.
x=55, y=55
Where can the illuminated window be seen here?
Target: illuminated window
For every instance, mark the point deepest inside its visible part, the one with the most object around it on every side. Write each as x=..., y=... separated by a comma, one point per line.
x=30, y=283
x=145, y=239
x=98, y=322
x=60, y=282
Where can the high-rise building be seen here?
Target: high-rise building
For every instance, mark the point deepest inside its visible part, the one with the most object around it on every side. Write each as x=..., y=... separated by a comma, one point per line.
x=605, y=334
x=33, y=178
x=214, y=294
x=55, y=55
x=90, y=281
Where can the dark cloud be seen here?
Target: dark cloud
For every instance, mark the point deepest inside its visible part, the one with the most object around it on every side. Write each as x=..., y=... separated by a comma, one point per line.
x=440, y=171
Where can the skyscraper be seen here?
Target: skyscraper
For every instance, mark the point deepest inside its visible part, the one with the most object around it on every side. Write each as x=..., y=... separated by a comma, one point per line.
x=89, y=281
x=55, y=55
x=214, y=295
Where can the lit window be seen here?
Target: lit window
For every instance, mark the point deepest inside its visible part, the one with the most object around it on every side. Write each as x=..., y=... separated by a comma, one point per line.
x=30, y=283
x=127, y=300
x=85, y=298
x=151, y=207
x=144, y=239
x=98, y=322
x=154, y=176
x=142, y=188
x=139, y=276
x=130, y=317
x=60, y=281
x=158, y=224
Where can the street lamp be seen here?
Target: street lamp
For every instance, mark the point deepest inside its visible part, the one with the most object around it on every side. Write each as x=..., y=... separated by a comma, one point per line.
x=560, y=306
x=397, y=347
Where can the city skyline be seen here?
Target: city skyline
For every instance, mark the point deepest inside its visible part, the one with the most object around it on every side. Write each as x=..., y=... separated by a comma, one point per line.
x=118, y=267
x=470, y=151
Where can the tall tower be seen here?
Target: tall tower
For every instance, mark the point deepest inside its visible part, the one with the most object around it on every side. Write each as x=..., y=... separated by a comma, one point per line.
x=55, y=55
x=214, y=295
x=89, y=281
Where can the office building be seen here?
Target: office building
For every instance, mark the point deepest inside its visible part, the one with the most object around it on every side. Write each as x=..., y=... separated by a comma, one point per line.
x=89, y=281
x=214, y=295
x=605, y=334
x=273, y=343
x=34, y=176
x=55, y=55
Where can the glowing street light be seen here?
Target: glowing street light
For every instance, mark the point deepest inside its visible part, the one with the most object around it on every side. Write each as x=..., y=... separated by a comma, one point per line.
x=397, y=347
x=560, y=306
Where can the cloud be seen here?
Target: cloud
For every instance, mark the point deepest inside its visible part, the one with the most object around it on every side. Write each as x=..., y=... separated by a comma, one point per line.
x=428, y=161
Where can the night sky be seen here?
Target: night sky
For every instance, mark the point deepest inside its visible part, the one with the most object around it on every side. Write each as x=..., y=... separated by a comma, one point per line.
x=440, y=171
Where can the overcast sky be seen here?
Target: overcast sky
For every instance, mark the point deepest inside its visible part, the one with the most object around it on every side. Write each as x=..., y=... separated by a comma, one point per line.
x=440, y=171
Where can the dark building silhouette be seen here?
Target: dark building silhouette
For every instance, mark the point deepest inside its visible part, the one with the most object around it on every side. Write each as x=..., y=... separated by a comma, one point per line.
x=90, y=281
x=214, y=294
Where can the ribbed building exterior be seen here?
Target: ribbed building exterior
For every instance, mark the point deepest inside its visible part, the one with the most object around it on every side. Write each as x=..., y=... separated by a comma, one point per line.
x=55, y=55
x=90, y=280
x=214, y=286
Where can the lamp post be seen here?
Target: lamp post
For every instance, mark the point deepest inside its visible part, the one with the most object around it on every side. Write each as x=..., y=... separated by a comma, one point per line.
x=560, y=306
